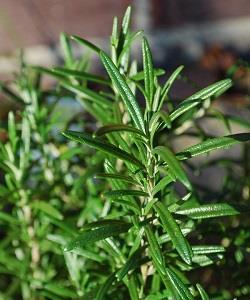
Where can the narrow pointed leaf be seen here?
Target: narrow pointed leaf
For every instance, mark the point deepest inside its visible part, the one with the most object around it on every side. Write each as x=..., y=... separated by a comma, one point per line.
x=154, y=249
x=116, y=177
x=204, y=249
x=97, y=234
x=86, y=93
x=118, y=127
x=121, y=193
x=66, y=49
x=179, y=241
x=85, y=43
x=213, y=144
x=81, y=75
x=213, y=90
x=105, y=287
x=204, y=295
x=124, y=90
x=209, y=211
x=178, y=285
x=148, y=71
x=103, y=146
x=161, y=184
x=131, y=263
x=140, y=75
x=47, y=209
x=60, y=291
x=10, y=94
x=173, y=164
x=167, y=86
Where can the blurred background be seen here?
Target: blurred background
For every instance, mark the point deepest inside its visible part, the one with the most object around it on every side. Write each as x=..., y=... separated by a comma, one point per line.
x=206, y=36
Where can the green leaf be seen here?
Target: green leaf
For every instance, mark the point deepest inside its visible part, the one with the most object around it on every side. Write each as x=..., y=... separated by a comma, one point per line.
x=161, y=184
x=213, y=144
x=86, y=93
x=10, y=94
x=213, y=90
x=140, y=75
x=148, y=71
x=105, y=287
x=204, y=295
x=60, y=291
x=179, y=241
x=209, y=211
x=48, y=209
x=66, y=49
x=130, y=40
x=121, y=193
x=81, y=75
x=154, y=249
x=8, y=218
x=97, y=234
x=167, y=86
x=103, y=146
x=116, y=177
x=204, y=249
x=85, y=43
x=117, y=127
x=131, y=264
x=124, y=91
x=177, y=284
x=173, y=164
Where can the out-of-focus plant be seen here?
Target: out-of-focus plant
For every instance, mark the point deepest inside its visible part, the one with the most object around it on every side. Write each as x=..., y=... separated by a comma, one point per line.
x=129, y=219
x=44, y=181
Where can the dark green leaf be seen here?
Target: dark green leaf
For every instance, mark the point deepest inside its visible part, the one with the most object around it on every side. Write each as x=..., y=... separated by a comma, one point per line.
x=213, y=144
x=178, y=285
x=209, y=211
x=204, y=295
x=148, y=71
x=173, y=165
x=97, y=234
x=154, y=249
x=131, y=263
x=213, y=90
x=179, y=241
x=117, y=127
x=103, y=146
x=120, y=193
x=116, y=177
x=105, y=287
x=124, y=91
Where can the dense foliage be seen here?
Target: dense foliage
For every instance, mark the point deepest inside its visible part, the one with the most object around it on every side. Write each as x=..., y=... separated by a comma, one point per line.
x=112, y=210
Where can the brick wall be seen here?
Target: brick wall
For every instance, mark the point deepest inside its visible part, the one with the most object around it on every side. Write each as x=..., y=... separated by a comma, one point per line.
x=25, y=23
x=168, y=13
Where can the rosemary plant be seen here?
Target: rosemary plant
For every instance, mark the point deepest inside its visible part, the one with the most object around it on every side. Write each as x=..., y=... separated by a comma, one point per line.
x=112, y=211
x=148, y=239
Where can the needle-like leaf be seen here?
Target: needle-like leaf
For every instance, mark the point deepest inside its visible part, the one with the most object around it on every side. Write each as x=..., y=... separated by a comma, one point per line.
x=116, y=128
x=179, y=241
x=97, y=234
x=124, y=91
x=173, y=164
x=213, y=144
x=148, y=71
x=103, y=146
x=209, y=211
x=87, y=93
x=215, y=89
